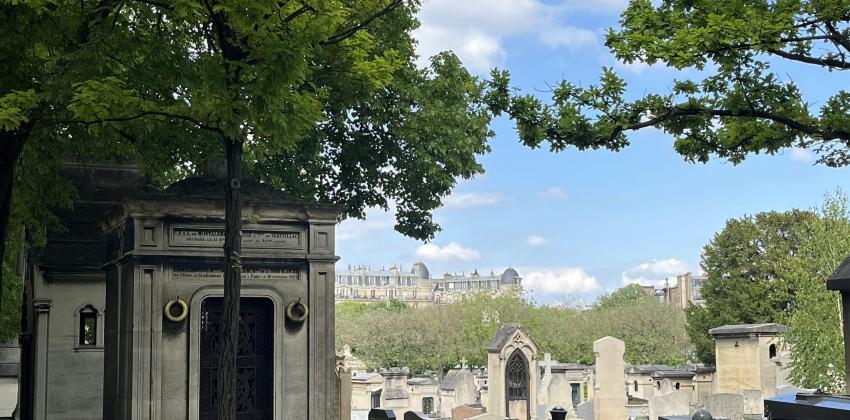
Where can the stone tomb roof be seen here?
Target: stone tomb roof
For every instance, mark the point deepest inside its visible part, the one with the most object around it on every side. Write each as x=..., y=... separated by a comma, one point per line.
x=747, y=330
x=504, y=334
x=648, y=369
x=367, y=377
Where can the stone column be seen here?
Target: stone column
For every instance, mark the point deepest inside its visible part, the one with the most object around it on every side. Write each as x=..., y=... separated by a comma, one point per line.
x=609, y=401
x=42, y=346
x=344, y=386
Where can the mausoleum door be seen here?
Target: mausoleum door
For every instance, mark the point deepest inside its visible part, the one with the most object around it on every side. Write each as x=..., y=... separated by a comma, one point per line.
x=254, y=361
x=517, y=393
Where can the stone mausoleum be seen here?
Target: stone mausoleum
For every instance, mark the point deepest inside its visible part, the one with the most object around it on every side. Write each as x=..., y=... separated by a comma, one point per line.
x=125, y=303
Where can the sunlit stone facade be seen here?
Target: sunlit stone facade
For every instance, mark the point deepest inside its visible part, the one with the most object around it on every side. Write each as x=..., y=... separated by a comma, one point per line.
x=416, y=287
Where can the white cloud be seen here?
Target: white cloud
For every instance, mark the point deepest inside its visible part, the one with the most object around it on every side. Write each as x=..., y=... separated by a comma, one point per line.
x=802, y=155
x=376, y=220
x=535, y=240
x=558, y=280
x=466, y=200
x=653, y=273
x=553, y=192
x=452, y=251
x=474, y=29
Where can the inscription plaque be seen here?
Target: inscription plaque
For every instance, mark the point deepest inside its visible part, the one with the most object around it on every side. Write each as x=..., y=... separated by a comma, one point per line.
x=188, y=274
x=201, y=237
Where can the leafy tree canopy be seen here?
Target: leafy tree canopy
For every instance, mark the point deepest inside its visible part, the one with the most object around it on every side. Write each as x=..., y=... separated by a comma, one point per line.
x=326, y=97
x=746, y=267
x=438, y=337
x=741, y=106
x=628, y=295
x=814, y=319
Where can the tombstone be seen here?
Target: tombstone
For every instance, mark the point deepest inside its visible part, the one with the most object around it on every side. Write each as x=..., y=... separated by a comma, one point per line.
x=675, y=403
x=415, y=415
x=559, y=394
x=164, y=303
x=466, y=411
x=609, y=391
x=512, y=373
x=727, y=406
x=585, y=410
x=753, y=402
x=456, y=389
x=381, y=414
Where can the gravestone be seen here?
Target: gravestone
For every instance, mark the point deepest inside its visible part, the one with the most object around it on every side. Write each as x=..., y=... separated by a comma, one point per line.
x=675, y=403
x=585, y=411
x=609, y=392
x=466, y=411
x=559, y=394
x=727, y=406
x=412, y=415
x=753, y=402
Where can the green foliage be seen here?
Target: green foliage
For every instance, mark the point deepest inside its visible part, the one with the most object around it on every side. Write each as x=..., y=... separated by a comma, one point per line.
x=814, y=321
x=632, y=294
x=740, y=107
x=325, y=95
x=747, y=266
x=434, y=338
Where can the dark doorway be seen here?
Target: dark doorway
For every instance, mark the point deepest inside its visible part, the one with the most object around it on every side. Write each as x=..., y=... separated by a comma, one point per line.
x=517, y=393
x=254, y=362
x=376, y=399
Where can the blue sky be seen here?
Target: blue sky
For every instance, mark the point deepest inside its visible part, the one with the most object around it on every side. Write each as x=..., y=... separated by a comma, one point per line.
x=576, y=224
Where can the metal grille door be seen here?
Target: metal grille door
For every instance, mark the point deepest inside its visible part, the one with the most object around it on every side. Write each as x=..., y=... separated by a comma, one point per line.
x=254, y=363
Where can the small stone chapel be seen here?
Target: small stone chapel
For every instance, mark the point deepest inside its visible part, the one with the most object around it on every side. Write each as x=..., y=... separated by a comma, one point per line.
x=512, y=374
x=123, y=306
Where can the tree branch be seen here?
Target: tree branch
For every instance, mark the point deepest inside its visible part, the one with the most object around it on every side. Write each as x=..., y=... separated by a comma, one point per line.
x=838, y=36
x=166, y=115
x=680, y=111
x=341, y=36
x=826, y=62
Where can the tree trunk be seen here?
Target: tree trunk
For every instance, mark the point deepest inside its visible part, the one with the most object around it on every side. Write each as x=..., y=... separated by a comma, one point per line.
x=11, y=146
x=229, y=333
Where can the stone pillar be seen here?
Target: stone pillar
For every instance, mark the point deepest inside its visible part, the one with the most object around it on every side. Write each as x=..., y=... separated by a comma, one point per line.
x=609, y=392
x=344, y=386
x=42, y=346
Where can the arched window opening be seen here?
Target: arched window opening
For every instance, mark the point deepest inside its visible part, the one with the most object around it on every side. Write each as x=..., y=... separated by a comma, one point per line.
x=658, y=385
x=636, y=386
x=88, y=326
x=517, y=374
x=772, y=351
x=677, y=385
